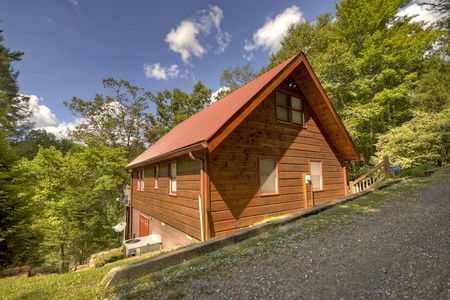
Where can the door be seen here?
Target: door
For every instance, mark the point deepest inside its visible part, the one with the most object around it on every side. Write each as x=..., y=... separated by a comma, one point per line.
x=144, y=226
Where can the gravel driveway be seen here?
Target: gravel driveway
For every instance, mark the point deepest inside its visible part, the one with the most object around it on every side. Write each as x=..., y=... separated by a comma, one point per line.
x=402, y=251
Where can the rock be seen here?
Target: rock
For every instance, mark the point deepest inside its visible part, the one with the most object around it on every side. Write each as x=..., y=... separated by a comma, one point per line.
x=11, y=271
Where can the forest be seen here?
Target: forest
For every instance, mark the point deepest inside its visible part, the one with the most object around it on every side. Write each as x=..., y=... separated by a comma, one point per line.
x=386, y=75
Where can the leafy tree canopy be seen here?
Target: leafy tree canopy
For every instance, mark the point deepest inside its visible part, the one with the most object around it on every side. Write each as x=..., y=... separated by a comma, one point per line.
x=75, y=194
x=14, y=109
x=174, y=107
x=18, y=237
x=235, y=77
x=369, y=61
x=28, y=147
x=117, y=120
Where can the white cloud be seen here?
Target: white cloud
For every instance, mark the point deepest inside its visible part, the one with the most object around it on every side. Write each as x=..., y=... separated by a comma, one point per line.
x=420, y=12
x=185, y=39
x=43, y=118
x=41, y=114
x=74, y=2
x=214, y=96
x=157, y=72
x=268, y=37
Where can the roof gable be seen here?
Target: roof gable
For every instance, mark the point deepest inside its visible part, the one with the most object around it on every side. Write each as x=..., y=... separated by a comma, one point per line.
x=209, y=127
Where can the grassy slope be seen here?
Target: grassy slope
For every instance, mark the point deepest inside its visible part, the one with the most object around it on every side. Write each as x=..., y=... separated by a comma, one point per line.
x=85, y=284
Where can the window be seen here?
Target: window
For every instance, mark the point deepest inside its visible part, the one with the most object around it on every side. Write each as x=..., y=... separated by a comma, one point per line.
x=140, y=179
x=289, y=108
x=155, y=176
x=268, y=176
x=172, y=178
x=316, y=175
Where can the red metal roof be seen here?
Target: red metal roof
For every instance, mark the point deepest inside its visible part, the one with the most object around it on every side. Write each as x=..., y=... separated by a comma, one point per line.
x=196, y=130
x=195, y=133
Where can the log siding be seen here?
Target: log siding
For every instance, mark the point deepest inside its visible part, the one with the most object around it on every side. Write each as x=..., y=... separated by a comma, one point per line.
x=181, y=210
x=234, y=174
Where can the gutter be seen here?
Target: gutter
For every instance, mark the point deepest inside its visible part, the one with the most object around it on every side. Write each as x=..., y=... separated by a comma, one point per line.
x=167, y=156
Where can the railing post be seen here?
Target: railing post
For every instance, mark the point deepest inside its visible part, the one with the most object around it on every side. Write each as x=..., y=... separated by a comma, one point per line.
x=352, y=187
x=386, y=167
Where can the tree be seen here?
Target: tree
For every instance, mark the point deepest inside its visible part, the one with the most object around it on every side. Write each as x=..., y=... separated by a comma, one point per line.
x=28, y=146
x=425, y=139
x=235, y=77
x=369, y=61
x=119, y=120
x=174, y=107
x=18, y=238
x=75, y=194
x=14, y=109
x=442, y=6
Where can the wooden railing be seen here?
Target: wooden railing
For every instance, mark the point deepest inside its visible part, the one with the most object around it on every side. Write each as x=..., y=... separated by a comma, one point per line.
x=367, y=180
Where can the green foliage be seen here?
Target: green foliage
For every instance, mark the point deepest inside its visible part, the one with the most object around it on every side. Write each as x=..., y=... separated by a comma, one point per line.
x=18, y=237
x=28, y=147
x=370, y=62
x=433, y=93
x=357, y=20
x=416, y=171
x=235, y=77
x=120, y=120
x=424, y=139
x=174, y=107
x=75, y=194
x=14, y=110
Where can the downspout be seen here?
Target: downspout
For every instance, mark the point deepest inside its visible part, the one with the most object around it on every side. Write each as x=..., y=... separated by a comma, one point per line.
x=201, y=196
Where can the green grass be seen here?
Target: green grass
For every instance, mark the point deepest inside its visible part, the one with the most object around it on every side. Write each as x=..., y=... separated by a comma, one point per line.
x=75, y=285
x=78, y=285
x=86, y=284
x=246, y=253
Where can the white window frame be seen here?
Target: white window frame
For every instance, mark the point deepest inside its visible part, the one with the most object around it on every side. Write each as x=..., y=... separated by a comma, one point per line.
x=156, y=176
x=172, y=178
x=140, y=179
x=316, y=175
x=266, y=176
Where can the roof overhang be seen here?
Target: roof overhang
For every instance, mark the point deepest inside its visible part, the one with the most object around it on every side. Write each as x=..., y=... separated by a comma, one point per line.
x=308, y=82
x=170, y=155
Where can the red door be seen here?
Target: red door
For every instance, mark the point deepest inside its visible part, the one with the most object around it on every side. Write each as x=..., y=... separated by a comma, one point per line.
x=144, y=226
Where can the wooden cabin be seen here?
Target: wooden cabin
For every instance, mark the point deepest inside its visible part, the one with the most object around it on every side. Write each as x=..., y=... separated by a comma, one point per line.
x=274, y=146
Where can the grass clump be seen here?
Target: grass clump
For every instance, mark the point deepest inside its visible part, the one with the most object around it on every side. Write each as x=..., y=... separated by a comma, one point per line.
x=223, y=262
x=86, y=284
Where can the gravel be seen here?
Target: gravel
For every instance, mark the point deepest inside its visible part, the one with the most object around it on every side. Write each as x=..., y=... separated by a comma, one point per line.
x=402, y=251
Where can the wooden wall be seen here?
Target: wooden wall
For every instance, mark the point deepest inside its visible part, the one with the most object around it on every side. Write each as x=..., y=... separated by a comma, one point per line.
x=234, y=173
x=180, y=211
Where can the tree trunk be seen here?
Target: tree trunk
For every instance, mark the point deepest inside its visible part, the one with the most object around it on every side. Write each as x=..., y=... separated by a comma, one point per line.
x=62, y=263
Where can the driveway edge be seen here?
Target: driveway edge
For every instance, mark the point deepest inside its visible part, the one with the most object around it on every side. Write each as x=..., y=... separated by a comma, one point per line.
x=136, y=270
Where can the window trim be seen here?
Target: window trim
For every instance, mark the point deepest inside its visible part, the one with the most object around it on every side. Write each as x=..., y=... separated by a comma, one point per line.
x=156, y=176
x=277, y=177
x=290, y=109
x=170, y=179
x=321, y=175
x=140, y=175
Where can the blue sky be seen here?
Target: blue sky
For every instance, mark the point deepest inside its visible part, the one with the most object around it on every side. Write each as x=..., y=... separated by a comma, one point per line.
x=71, y=45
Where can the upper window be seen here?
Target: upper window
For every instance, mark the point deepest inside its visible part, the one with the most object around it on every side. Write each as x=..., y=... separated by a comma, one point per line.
x=289, y=108
x=140, y=179
x=172, y=178
x=268, y=176
x=316, y=175
x=155, y=176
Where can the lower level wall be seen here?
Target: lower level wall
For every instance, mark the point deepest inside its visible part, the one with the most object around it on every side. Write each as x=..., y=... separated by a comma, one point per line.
x=171, y=237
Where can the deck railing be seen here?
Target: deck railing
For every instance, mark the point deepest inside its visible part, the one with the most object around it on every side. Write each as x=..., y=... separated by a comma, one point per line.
x=367, y=180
